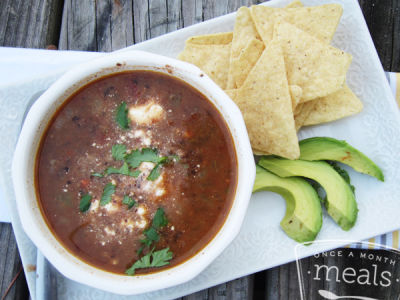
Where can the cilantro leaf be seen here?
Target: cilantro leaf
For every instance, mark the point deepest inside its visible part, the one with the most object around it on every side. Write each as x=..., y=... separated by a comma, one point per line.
x=85, y=202
x=161, y=257
x=175, y=158
x=151, y=236
x=97, y=175
x=151, y=233
x=155, y=173
x=135, y=158
x=108, y=191
x=135, y=173
x=118, y=151
x=151, y=260
x=124, y=170
x=128, y=201
x=122, y=116
x=159, y=219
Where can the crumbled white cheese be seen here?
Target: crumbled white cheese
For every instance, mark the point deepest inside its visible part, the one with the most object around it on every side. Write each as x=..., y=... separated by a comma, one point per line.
x=141, y=210
x=141, y=224
x=110, y=207
x=159, y=192
x=128, y=224
x=95, y=205
x=145, y=139
x=109, y=231
x=157, y=186
x=146, y=114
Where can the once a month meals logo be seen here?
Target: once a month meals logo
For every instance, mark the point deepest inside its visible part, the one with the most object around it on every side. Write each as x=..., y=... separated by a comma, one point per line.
x=351, y=273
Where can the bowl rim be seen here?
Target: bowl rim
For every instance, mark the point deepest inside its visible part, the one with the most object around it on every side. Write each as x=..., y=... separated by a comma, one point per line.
x=23, y=176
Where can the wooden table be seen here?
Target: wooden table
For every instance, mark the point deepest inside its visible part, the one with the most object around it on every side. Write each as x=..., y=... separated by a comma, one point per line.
x=107, y=25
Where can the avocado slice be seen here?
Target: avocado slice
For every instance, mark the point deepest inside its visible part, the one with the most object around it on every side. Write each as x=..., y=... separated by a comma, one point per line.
x=326, y=148
x=303, y=218
x=340, y=203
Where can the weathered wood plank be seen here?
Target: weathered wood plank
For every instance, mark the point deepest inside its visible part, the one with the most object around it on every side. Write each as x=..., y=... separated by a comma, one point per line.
x=395, y=64
x=241, y=288
x=212, y=9
x=192, y=12
x=272, y=283
x=33, y=24
x=201, y=295
x=111, y=17
x=10, y=265
x=382, y=20
x=78, y=27
x=158, y=17
x=141, y=20
x=174, y=15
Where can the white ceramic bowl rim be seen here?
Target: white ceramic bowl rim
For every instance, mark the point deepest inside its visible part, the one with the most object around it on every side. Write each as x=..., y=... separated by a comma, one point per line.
x=23, y=173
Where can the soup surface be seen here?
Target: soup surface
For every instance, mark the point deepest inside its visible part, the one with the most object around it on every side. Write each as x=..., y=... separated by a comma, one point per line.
x=136, y=172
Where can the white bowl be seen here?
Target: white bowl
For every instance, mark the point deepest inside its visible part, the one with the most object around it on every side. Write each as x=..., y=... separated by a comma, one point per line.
x=24, y=163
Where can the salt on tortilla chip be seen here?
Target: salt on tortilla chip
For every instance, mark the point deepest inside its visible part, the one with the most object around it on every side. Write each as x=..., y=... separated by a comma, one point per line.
x=319, y=69
x=340, y=104
x=294, y=4
x=211, y=39
x=244, y=34
x=319, y=21
x=241, y=66
x=213, y=59
x=266, y=105
x=295, y=94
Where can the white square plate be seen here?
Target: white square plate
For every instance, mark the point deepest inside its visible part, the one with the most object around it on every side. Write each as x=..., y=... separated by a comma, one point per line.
x=261, y=243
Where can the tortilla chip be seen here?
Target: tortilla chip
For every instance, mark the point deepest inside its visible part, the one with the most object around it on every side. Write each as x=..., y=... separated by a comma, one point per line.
x=295, y=94
x=319, y=69
x=319, y=21
x=212, y=59
x=301, y=113
x=243, y=32
x=266, y=105
x=340, y=104
x=259, y=152
x=211, y=39
x=231, y=93
x=294, y=4
x=243, y=35
x=241, y=66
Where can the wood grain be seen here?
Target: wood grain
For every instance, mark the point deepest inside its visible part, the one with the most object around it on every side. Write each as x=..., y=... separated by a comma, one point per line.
x=29, y=24
x=10, y=264
x=383, y=20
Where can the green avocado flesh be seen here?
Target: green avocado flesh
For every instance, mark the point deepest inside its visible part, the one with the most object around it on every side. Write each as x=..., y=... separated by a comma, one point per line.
x=340, y=203
x=325, y=148
x=303, y=218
